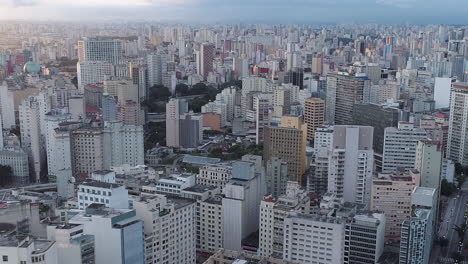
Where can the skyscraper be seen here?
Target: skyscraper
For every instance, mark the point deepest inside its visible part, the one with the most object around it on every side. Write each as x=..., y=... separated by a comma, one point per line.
x=351, y=161
x=157, y=68
x=343, y=91
x=400, y=146
x=174, y=109
x=207, y=52
x=457, y=143
x=314, y=114
x=95, y=49
x=287, y=142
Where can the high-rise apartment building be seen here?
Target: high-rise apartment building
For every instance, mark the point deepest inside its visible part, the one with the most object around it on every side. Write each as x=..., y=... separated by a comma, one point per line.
x=457, y=143
x=400, y=146
x=429, y=158
x=92, y=72
x=314, y=115
x=118, y=233
x=351, y=161
x=287, y=142
x=87, y=150
x=391, y=194
x=263, y=111
x=169, y=228
x=343, y=92
x=276, y=176
x=157, y=68
x=205, y=66
x=174, y=109
x=131, y=113
x=272, y=215
x=417, y=232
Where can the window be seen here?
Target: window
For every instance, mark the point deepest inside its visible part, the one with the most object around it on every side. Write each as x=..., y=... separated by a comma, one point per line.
x=4, y=258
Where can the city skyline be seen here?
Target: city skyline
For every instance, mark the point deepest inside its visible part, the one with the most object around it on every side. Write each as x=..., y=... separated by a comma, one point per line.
x=209, y=11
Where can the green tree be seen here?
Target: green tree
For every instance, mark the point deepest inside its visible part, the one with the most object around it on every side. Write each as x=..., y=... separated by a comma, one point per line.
x=447, y=188
x=461, y=230
x=182, y=89
x=159, y=93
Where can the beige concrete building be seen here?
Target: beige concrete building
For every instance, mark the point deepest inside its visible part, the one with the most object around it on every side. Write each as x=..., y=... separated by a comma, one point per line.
x=288, y=142
x=314, y=115
x=391, y=194
x=130, y=113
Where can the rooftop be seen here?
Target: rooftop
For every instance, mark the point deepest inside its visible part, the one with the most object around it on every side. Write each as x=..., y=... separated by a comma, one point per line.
x=99, y=184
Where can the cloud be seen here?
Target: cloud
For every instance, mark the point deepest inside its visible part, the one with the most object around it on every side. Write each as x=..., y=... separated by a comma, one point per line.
x=398, y=3
x=19, y=3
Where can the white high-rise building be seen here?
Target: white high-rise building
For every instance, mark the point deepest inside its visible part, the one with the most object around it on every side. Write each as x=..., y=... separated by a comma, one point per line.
x=351, y=161
x=32, y=113
x=400, y=146
x=123, y=144
x=7, y=109
x=73, y=247
x=95, y=49
x=55, y=160
x=241, y=204
x=92, y=72
x=109, y=194
x=217, y=175
x=457, y=143
x=157, y=68
x=118, y=234
x=169, y=227
x=272, y=214
x=174, y=109
x=429, y=163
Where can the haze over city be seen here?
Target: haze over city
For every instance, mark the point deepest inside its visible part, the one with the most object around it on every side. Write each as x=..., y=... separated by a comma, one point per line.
x=262, y=11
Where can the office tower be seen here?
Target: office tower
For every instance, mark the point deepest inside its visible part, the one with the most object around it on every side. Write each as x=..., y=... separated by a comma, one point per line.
x=228, y=97
x=417, y=232
x=92, y=72
x=72, y=245
x=109, y=108
x=241, y=204
x=130, y=113
x=391, y=194
x=276, y=176
x=95, y=49
x=314, y=114
x=217, y=175
x=17, y=160
x=429, y=163
x=351, y=161
x=87, y=150
x=122, y=144
x=343, y=91
x=55, y=160
x=457, y=68
x=7, y=109
x=157, y=68
x=139, y=74
x=32, y=125
x=457, y=143
x=209, y=223
x=59, y=149
x=111, y=195
x=262, y=115
x=174, y=109
x=205, y=66
x=118, y=233
x=378, y=117
x=272, y=214
x=169, y=228
x=364, y=238
x=400, y=146
x=287, y=142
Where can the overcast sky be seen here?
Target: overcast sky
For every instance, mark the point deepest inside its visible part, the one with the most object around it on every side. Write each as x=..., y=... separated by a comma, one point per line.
x=233, y=11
